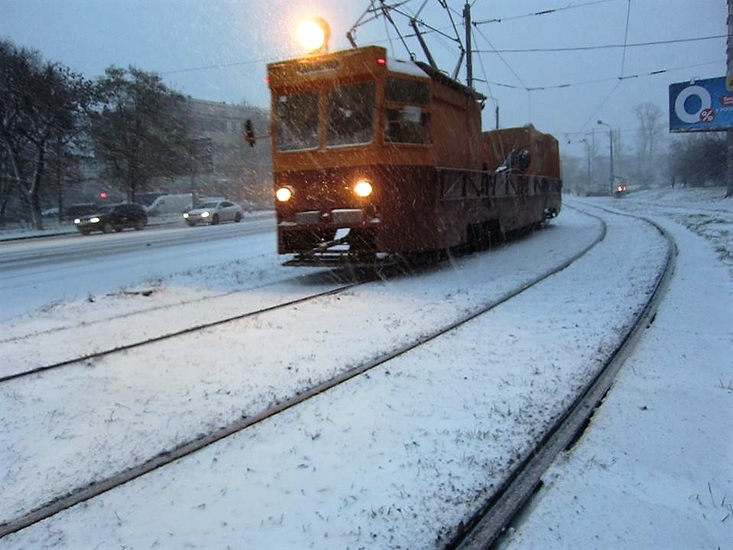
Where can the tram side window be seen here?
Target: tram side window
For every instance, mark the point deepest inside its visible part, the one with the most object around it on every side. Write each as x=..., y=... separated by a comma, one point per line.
x=297, y=121
x=407, y=125
x=350, y=114
x=407, y=91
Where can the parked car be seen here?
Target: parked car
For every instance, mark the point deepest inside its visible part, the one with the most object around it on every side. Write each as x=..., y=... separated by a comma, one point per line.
x=214, y=212
x=113, y=217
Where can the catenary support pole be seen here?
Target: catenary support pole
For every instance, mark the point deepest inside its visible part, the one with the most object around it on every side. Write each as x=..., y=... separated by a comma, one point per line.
x=729, y=79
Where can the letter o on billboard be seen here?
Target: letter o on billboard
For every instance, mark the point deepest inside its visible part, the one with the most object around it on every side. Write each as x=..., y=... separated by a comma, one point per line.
x=690, y=91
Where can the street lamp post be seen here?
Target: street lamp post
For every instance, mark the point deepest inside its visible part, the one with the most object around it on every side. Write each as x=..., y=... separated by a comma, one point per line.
x=588, y=171
x=610, y=141
x=587, y=154
x=200, y=156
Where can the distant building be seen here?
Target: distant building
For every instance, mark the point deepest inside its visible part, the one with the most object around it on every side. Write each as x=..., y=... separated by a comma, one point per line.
x=222, y=162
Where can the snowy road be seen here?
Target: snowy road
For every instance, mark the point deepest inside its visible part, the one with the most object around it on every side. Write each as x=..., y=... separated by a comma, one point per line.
x=45, y=272
x=431, y=429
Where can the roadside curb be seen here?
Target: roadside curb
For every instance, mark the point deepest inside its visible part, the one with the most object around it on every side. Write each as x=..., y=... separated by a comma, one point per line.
x=22, y=234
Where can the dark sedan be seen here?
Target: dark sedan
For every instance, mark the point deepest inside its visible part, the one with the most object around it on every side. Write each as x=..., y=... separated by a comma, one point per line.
x=113, y=217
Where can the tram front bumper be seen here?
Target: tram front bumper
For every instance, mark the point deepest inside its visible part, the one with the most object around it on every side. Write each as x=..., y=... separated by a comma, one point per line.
x=310, y=229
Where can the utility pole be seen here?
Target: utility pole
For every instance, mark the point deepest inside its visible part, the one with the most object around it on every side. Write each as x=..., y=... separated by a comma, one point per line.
x=587, y=154
x=593, y=148
x=610, y=145
x=729, y=79
x=469, y=60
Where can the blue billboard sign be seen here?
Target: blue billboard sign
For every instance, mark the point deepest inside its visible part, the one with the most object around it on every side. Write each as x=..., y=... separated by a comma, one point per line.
x=700, y=106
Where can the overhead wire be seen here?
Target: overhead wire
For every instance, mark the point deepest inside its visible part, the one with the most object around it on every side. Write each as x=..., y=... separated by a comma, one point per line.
x=215, y=66
x=381, y=8
x=512, y=50
x=486, y=81
x=385, y=12
x=508, y=66
x=543, y=12
x=605, y=46
x=626, y=37
x=618, y=80
x=605, y=100
x=609, y=79
x=624, y=47
x=408, y=15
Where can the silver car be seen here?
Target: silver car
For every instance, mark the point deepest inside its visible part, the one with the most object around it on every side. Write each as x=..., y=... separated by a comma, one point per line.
x=214, y=212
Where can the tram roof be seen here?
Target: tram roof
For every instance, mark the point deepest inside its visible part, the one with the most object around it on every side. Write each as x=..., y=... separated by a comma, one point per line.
x=326, y=62
x=411, y=68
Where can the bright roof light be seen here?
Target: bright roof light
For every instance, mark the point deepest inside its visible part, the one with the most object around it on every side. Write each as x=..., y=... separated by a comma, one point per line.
x=313, y=34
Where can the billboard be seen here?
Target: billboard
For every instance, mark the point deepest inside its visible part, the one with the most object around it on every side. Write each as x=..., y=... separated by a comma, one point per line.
x=700, y=106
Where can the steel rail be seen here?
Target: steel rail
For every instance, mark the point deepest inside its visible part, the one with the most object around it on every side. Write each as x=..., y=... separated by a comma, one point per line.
x=485, y=527
x=96, y=488
x=173, y=334
x=358, y=277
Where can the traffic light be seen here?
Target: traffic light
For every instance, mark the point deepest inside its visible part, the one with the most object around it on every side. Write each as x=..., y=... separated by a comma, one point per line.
x=249, y=133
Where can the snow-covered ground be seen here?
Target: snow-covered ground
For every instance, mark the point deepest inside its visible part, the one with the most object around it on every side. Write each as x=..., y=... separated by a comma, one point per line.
x=655, y=468
x=396, y=458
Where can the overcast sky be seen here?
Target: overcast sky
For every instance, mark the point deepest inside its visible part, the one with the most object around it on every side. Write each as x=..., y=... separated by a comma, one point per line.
x=218, y=49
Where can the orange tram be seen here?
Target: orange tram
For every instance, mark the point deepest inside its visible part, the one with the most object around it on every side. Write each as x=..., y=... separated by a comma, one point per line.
x=373, y=156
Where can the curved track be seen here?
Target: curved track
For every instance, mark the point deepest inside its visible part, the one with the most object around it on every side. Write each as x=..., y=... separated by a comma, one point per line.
x=486, y=526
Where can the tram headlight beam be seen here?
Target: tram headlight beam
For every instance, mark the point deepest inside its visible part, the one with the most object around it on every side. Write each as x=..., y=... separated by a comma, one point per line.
x=363, y=188
x=284, y=194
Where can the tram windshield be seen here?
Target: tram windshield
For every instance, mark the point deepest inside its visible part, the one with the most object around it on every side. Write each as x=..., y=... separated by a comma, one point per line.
x=297, y=121
x=349, y=117
x=350, y=114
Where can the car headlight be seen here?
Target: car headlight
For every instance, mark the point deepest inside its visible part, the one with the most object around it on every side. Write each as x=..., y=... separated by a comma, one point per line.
x=363, y=188
x=185, y=215
x=77, y=220
x=205, y=214
x=284, y=194
x=94, y=219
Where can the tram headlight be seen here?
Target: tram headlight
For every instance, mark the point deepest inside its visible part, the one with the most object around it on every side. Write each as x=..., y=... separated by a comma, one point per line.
x=284, y=194
x=363, y=188
x=313, y=34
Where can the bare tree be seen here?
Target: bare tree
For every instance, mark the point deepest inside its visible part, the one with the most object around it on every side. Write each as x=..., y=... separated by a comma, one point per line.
x=41, y=105
x=137, y=130
x=650, y=136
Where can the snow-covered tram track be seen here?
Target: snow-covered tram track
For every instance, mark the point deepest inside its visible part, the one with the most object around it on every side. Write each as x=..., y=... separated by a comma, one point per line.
x=66, y=346
x=97, y=486
x=484, y=528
